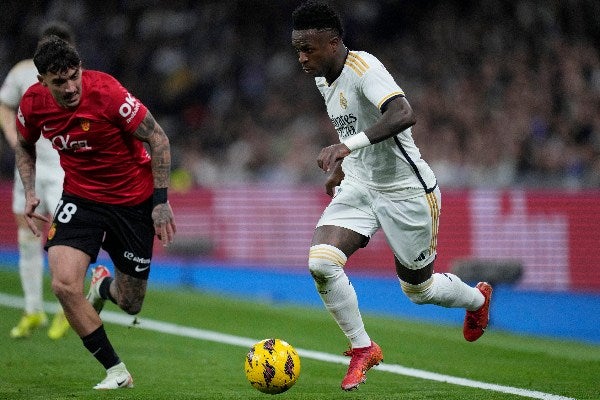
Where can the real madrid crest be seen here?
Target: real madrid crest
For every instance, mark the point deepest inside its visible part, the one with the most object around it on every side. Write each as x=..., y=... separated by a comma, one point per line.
x=85, y=124
x=343, y=101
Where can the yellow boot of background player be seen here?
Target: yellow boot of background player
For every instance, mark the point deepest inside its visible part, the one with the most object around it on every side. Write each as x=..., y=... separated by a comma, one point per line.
x=28, y=323
x=59, y=327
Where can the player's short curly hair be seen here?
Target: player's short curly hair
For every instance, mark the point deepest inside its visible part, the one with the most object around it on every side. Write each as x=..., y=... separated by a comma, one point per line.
x=316, y=15
x=54, y=55
x=58, y=28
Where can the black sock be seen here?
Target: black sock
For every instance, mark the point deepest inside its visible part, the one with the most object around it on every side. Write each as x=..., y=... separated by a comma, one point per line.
x=104, y=289
x=97, y=343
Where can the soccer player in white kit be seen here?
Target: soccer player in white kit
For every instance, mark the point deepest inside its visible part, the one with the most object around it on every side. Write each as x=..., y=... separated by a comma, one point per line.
x=378, y=180
x=49, y=179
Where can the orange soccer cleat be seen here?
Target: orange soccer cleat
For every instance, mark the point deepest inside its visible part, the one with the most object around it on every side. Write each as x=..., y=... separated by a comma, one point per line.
x=476, y=321
x=362, y=360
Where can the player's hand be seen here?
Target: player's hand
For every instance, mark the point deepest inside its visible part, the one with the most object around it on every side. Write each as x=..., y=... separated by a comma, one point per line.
x=334, y=179
x=31, y=203
x=330, y=155
x=164, y=223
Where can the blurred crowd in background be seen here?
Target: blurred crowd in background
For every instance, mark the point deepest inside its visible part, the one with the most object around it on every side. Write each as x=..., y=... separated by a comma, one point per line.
x=506, y=93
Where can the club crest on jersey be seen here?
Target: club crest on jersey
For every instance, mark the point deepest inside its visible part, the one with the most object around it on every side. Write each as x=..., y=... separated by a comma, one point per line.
x=52, y=232
x=85, y=124
x=343, y=101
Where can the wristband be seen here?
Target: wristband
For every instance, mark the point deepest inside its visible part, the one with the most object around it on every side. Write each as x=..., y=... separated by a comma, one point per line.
x=357, y=141
x=159, y=196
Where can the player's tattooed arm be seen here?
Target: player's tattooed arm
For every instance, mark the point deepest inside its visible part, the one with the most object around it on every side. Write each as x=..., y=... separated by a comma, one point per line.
x=25, y=157
x=149, y=131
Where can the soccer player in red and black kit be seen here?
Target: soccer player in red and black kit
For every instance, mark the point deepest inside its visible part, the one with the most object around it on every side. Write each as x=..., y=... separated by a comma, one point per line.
x=114, y=192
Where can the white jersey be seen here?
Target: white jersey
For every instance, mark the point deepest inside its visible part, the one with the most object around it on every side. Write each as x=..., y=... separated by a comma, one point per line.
x=18, y=80
x=354, y=101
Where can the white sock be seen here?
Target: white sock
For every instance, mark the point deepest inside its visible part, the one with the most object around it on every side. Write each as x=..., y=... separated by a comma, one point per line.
x=446, y=290
x=337, y=293
x=31, y=269
x=341, y=301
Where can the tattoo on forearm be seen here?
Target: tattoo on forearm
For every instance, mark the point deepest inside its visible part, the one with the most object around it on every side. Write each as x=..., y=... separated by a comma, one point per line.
x=150, y=132
x=25, y=161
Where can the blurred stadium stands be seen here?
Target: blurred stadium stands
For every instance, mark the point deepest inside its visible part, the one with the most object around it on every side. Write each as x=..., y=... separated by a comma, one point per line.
x=507, y=93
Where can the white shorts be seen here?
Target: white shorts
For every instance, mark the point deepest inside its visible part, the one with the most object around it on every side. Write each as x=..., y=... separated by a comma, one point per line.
x=48, y=191
x=410, y=225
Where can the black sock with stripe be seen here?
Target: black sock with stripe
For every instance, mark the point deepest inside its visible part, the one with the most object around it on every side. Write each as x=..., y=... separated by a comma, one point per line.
x=97, y=343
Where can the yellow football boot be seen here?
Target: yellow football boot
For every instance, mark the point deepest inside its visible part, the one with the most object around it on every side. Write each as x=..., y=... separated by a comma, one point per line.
x=28, y=323
x=59, y=327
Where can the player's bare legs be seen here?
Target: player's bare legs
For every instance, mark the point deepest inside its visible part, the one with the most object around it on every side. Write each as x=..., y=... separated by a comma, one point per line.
x=344, y=239
x=330, y=248
x=123, y=290
x=129, y=292
x=68, y=267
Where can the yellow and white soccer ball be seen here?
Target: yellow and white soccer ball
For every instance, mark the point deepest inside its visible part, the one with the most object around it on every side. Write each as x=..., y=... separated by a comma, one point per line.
x=272, y=366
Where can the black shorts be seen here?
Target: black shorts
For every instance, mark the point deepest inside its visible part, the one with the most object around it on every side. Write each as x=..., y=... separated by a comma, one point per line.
x=125, y=232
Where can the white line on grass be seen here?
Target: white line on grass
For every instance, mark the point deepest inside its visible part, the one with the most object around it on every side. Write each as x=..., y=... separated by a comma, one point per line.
x=186, y=331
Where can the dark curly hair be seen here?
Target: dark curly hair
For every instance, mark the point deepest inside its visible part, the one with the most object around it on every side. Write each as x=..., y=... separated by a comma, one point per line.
x=54, y=55
x=58, y=28
x=316, y=15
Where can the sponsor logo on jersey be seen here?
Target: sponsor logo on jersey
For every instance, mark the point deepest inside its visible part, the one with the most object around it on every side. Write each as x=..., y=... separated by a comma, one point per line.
x=344, y=125
x=129, y=108
x=61, y=142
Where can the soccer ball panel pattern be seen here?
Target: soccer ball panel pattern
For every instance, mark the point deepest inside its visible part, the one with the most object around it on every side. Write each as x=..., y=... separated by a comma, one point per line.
x=272, y=366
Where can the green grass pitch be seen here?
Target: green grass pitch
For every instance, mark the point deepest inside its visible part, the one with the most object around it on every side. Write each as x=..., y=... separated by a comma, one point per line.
x=173, y=366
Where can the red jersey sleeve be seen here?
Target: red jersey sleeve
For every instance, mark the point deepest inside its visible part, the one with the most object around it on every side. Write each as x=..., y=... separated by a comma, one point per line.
x=122, y=108
x=26, y=124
